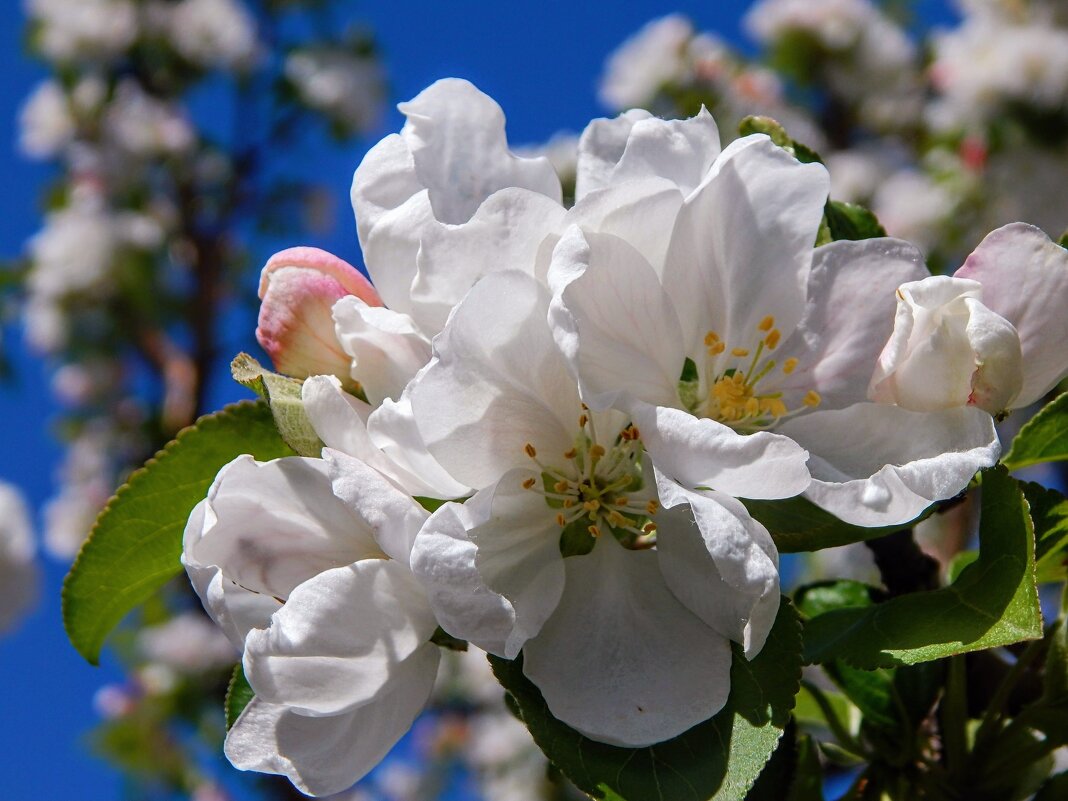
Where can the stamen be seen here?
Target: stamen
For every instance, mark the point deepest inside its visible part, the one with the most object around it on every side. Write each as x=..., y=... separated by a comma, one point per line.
x=773, y=337
x=652, y=508
x=711, y=338
x=530, y=451
x=594, y=531
x=570, y=454
x=812, y=398
x=789, y=365
x=561, y=520
x=767, y=323
x=739, y=352
x=649, y=528
x=529, y=483
x=562, y=486
x=718, y=348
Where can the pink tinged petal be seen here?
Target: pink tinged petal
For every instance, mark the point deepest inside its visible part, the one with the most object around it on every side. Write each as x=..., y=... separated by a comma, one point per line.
x=701, y=453
x=326, y=755
x=387, y=348
x=385, y=438
x=999, y=367
x=270, y=526
x=320, y=261
x=720, y=563
x=443, y=559
x=497, y=383
x=613, y=322
x=848, y=317
x=640, y=668
x=342, y=639
x=506, y=232
x=1025, y=279
x=681, y=151
x=600, y=148
x=742, y=246
x=393, y=517
x=875, y=464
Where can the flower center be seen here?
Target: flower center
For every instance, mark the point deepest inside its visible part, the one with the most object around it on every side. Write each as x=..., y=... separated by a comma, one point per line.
x=735, y=395
x=592, y=489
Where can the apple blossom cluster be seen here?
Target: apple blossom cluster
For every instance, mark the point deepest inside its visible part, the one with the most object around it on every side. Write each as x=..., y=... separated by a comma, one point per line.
x=18, y=569
x=540, y=422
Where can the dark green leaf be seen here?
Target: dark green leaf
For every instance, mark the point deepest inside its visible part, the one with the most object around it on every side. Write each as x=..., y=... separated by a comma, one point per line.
x=1044, y=438
x=135, y=546
x=850, y=221
x=797, y=524
x=238, y=694
x=1049, y=514
x=718, y=759
x=993, y=602
x=283, y=394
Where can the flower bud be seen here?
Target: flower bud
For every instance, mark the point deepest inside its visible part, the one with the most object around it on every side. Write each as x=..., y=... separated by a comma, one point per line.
x=948, y=350
x=298, y=288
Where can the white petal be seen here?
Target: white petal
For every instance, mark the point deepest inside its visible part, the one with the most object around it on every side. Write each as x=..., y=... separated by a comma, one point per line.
x=497, y=382
x=325, y=755
x=720, y=562
x=622, y=660
x=601, y=147
x=742, y=247
x=270, y=526
x=848, y=318
x=680, y=150
x=340, y=639
x=613, y=321
x=386, y=347
x=876, y=464
x=701, y=453
x=999, y=367
x=392, y=516
x=1025, y=280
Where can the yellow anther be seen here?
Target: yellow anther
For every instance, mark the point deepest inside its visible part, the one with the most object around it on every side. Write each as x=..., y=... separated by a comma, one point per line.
x=752, y=407
x=773, y=406
x=591, y=506
x=649, y=528
x=711, y=338
x=622, y=500
x=616, y=519
x=530, y=451
x=812, y=398
x=570, y=453
x=529, y=483
x=773, y=337
x=740, y=352
x=716, y=349
x=561, y=520
x=789, y=365
x=594, y=531
x=767, y=323
x=569, y=502
x=561, y=486
x=596, y=451
x=652, y=508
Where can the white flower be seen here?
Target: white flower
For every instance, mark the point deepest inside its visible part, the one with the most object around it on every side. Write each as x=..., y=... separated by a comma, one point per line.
x=305, y=563
x=90, y=30
x=74, y=252
x=628, y=645
x=145, y=126
x=772, y=329
x=345, y=86
x=913, y=206
x=18, y=570
x=992, y=336
x=213, y=33
x=188, y=643
x=46, y=124
x=639, y=68
x=86, y=476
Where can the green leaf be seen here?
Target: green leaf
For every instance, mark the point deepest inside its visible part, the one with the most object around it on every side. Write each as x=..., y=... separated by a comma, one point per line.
x=136, y=543
x=718, y=759
x=797, y=524
x=993, y=602
x=238, y=694
x=1049, y=514
x=1044, y=438
x=282, y=393
x=850, y=221
x=756, y=124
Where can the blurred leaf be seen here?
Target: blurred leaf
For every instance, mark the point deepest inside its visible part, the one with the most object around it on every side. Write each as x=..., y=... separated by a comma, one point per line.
x=283, y=394
x=134, y=548
x=993, y=602
x=238, y=694
x=1044, y=438
x=755, y=124
x=718, y=759
x=850, y=221
x=1049, y=514
x=797, y=524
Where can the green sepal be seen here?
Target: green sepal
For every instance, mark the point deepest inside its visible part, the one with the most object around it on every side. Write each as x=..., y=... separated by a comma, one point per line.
x=238, y=695
x=283, y=395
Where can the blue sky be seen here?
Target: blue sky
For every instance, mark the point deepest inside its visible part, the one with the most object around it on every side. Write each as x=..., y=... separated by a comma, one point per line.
x=539, y=60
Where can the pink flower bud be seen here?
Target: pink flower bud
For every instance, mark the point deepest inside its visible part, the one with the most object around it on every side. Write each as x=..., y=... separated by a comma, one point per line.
x=298, y=289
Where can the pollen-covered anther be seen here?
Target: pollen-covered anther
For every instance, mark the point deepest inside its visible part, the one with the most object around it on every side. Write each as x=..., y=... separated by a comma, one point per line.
x=592, y=505
x=530, y=451
x=789, y=365
x=739, y=352
x=597, y=451
x=529, y=483
x=773, y=337
x=649, y=528
x=652, y=507
x=570, y=453
x=812, y=398
x=561, y=486
x=767, y=323
x=594, y=531
x=561, y=520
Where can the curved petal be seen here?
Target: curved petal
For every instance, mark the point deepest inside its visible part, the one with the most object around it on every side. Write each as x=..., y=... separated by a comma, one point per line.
x=1025, y=279
x=387, y=348
x=720, y=563
x=621, y=659
x=271, y=525
x=341, y=638
x=742, y=246
x=876, y=464
x=393, y=517
x=325, y=755
x=848, y=318
x=601, y=147
x=682, y=151
x=613, y=322
x=701, y=453
x=497, y=382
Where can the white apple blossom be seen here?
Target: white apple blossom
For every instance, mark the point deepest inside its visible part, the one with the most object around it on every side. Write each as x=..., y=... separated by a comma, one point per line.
x=652, y=57
x=18, y=569
x=213, y=33
x=764, y=351
x=347, y=87
x=628, y=644
x=46, y=124
x=304, y=563
x=188, y=643
x=992, y=336
x=84, y=30
x=145, y=126
x=914, y=206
